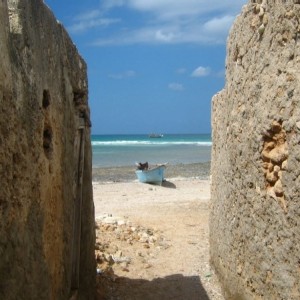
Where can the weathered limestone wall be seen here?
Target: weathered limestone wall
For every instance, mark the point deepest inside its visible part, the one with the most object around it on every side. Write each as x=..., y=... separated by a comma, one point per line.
x=254, y=226
x=43, y=92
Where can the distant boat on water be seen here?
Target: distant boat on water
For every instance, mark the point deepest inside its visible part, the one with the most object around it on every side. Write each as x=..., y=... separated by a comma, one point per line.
x=155, y=135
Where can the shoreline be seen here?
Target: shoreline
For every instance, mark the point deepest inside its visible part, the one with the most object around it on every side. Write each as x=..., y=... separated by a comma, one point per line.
x=127, y=173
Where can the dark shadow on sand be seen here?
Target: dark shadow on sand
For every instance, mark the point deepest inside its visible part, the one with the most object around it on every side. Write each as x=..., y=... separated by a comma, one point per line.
x=173, y=287
x=168, y=184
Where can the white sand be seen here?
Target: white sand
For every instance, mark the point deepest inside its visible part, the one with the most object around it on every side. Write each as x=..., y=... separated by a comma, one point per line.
x=180, y=210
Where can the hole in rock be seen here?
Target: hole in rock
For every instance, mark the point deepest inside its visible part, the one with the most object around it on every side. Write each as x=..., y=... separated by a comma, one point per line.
x=46, y=98
x=47, y=142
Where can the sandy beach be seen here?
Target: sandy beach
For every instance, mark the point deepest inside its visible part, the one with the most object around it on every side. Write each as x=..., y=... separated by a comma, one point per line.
x=152, y=241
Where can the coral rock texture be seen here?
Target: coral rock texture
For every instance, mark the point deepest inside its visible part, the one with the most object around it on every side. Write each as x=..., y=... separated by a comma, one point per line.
x=254, y=224
x=43, y=100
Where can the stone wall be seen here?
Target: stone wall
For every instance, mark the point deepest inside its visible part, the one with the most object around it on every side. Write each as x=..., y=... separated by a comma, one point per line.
x=44, y=132
x=254, y=224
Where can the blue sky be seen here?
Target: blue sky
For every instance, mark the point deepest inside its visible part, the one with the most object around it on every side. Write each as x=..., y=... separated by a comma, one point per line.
x=153, y=65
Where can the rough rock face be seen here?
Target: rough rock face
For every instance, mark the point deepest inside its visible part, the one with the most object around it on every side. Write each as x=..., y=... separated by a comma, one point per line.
x=254, y=226
x=45, y=159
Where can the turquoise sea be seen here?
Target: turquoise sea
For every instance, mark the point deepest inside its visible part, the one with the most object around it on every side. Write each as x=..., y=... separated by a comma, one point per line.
x=125, y=150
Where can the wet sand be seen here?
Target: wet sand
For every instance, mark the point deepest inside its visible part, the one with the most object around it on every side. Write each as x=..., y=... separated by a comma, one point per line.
x=127, y=174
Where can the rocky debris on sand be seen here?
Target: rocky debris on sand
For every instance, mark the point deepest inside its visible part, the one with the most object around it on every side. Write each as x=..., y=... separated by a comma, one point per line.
x=119, y=244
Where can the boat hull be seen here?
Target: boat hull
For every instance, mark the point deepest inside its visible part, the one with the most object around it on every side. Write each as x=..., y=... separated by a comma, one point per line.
x=155, y=175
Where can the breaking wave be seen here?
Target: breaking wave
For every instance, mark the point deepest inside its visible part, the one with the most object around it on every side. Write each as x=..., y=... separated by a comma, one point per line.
x=142, y=143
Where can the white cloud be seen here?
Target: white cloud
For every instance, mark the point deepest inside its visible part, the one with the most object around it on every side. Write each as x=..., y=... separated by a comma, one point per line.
x=175, y=86
x=108, y=4
x=163, y=35
x=89, y=20
x=166, y=9
x=201, y=72
x=146, y=35
x=123, y=75
x=88, y=15
x=217, y=25
x=84, y=25
x=161, y=21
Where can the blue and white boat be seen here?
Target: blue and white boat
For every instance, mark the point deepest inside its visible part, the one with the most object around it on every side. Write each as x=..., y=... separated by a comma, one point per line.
x=153, y=175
